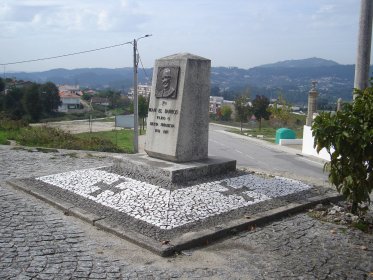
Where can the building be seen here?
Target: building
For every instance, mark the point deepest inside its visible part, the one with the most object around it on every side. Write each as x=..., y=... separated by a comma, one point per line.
x=103, y=101
x=70, y=98
x=217, y=101
x=143, y=90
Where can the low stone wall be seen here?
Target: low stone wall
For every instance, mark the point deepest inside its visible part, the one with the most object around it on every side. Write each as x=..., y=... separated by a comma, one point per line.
x=308, y=142
x=284, y=142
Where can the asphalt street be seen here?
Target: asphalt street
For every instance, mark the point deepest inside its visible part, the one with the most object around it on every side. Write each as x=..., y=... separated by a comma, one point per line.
x=264, y=156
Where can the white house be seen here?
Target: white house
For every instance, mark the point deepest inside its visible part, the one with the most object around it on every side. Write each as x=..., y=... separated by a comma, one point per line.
x=70, y=98
x=143, y=90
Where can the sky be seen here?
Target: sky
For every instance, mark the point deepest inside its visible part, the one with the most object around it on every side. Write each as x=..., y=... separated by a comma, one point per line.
x=238, y=33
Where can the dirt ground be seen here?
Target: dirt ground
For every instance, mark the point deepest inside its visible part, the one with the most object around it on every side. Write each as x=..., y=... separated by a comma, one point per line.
x=79, y=126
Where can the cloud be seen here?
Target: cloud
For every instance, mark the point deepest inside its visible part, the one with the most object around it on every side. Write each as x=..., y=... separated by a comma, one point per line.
x=18, y=16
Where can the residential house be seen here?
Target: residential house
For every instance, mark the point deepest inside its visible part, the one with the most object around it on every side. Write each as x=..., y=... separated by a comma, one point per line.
x=70, y=98
x=143, y=90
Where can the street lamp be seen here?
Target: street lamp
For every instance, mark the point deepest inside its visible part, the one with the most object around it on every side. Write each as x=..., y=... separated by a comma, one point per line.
x=135, y=99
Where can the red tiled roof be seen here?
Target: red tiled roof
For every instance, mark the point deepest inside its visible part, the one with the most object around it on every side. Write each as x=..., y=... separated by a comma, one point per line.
x=68, y=94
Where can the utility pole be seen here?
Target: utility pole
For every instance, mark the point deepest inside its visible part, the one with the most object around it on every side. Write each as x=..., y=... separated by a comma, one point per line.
x=135, y=98
x=135, y=101
x=364, y=45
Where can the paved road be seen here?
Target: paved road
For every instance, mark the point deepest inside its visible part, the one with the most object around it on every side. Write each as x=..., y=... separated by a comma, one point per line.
x=260, y=155
x=39, y=242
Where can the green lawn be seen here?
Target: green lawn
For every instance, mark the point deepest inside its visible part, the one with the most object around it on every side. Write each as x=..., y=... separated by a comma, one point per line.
x=269, y=128
x=121, y=138
x=47, y=137
x=268, y=133
x=3, y=138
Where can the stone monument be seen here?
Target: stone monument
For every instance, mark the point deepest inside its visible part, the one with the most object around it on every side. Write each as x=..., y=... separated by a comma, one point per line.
x=177, y=126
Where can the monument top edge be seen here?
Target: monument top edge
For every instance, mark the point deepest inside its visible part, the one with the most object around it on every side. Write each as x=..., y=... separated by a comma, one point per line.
x=183, y=56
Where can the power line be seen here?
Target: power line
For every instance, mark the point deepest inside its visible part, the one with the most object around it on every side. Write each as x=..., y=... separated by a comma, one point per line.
x=143, y=69
x=142, y=66
x=64, y=55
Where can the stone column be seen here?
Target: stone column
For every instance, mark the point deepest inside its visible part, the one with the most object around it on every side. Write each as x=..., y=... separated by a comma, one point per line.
x=364, y=45
x=339, y=104
x=312, y=105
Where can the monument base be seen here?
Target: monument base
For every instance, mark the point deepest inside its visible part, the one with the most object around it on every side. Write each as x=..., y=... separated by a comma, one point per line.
x=173, y=172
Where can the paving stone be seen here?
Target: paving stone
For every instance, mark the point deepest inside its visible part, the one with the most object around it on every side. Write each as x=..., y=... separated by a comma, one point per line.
x=297, y=247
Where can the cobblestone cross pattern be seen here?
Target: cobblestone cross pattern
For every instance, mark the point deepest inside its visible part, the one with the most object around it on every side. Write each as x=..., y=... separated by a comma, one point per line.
x=107, y=187
x=170, y=209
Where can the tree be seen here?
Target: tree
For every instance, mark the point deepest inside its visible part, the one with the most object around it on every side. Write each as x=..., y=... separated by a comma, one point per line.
x=12, y=103
x=281, y=110
x=49, y=97
x=143, y=110
x=2, y=94
x=86, y=96
x=31, y=102
x=348, y=138
x=243, y=109
x=2, y=85
x=226, y=113
x=260, y=109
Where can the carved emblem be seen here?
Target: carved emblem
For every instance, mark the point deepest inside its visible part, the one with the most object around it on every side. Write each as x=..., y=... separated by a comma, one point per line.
x=167, y=82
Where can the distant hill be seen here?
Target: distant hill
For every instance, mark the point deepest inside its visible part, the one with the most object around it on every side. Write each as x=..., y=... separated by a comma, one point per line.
x=302, y=63
x=120, y=78
x=290, y=78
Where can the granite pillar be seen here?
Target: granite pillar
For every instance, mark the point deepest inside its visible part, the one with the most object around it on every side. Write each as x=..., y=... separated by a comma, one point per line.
x=312, y=103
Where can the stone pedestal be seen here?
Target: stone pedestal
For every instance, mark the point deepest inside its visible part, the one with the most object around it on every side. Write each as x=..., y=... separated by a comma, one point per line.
x=177, y=128
x=312, y=103
x=164, y=172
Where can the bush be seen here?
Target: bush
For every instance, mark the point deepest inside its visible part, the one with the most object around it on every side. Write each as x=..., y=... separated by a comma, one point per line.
x=9, y=124
x=348, y=138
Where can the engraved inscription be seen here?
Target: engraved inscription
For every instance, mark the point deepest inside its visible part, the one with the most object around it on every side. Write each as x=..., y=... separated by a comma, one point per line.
x=167, y=82
x=164, y=119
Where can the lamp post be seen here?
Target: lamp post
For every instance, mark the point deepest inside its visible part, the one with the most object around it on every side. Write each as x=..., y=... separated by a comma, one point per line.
x=135, y=99
x=364, y=45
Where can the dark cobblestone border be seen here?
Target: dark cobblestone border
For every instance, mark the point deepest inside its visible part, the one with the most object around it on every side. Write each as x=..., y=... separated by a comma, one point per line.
x=166, y=242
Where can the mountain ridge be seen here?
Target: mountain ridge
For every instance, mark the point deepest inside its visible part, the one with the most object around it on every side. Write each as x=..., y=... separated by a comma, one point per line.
x=301, y=63
x=290, y=78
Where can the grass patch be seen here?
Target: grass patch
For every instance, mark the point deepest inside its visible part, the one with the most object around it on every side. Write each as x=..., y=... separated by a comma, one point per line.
x=363, y=226
x=73, y=116
x=4, y=138
x=48, y=137
x=269, y=127
x=9, y=129
x=267, y=133
x=123, y=139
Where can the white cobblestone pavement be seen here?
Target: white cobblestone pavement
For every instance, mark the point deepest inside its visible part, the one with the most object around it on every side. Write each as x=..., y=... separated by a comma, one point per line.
x=39, y=242
x=168, y=209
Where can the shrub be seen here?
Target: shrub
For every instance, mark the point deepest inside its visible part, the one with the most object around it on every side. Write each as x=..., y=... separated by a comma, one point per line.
x=348, y=138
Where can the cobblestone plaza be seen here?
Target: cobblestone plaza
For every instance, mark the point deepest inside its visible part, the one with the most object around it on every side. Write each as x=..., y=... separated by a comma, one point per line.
x=38, y=241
